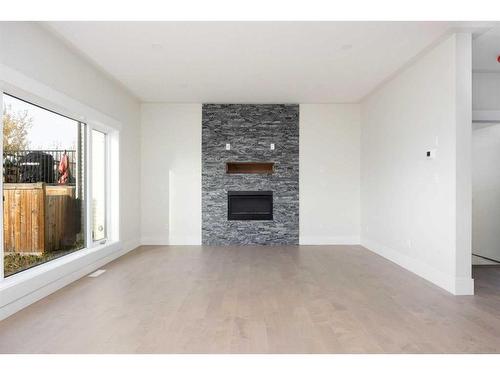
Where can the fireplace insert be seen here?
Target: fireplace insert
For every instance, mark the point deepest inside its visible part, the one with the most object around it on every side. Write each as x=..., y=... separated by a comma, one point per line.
x=250, y=205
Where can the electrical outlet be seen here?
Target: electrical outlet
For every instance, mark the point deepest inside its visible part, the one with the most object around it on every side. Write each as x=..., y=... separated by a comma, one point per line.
x=272, y=146
x=228, y=146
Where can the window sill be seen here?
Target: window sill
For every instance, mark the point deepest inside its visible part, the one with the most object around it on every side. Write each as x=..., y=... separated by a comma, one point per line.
x=49, y=266
x=20, y=290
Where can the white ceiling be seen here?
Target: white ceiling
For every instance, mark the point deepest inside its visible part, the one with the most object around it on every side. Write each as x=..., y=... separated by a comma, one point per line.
x=250, y=62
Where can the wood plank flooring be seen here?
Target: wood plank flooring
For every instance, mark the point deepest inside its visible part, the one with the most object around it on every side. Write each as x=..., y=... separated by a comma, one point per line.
x=294, y=299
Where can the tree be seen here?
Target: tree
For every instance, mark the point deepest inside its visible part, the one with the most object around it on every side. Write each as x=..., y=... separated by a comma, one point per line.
x=15, y=129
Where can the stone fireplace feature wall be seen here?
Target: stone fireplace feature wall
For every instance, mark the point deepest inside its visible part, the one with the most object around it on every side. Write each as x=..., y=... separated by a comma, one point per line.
x=250, y=129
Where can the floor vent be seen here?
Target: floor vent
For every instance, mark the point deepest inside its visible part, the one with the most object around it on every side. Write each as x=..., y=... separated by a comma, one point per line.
x=97, y=273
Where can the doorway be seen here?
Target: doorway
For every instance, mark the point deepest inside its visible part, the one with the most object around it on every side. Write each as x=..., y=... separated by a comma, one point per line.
x=486, y=193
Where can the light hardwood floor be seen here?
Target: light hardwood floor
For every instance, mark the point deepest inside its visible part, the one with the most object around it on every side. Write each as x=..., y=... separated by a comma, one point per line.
x=303, y=299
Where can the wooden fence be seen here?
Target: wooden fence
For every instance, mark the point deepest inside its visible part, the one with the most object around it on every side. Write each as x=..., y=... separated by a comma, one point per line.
x=24, y=217
x=62, y=217
x=39, y=217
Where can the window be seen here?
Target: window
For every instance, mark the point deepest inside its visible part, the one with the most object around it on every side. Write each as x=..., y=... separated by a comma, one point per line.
x=56, y=183
x=98, y=185
x=43, y=185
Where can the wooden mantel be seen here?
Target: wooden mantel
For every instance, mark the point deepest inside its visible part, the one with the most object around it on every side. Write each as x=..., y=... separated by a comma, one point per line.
x=249, y=167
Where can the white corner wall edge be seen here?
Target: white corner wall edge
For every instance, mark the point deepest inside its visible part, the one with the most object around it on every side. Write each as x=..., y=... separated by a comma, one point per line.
x=456, y=286
x=59, y=277
x=323, y=240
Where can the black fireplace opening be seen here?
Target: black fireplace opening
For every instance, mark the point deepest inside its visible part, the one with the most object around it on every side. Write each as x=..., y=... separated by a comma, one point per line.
x=250, y=205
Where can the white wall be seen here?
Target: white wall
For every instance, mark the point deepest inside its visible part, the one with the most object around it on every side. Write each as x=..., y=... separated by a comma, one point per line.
x=486, y=91
x=171, y=174
x=414, y=211
x=486, y=190
x=35, y=57
x=329, y=173
x=31, y=50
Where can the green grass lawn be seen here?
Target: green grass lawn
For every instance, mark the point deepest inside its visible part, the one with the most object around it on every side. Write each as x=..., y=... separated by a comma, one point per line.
x=15, y=262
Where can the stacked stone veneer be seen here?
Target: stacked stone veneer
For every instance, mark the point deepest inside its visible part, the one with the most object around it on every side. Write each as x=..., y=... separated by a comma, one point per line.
x=250, y=129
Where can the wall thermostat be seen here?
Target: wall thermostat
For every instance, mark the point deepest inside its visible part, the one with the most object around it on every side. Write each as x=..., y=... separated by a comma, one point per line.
x=431, y=154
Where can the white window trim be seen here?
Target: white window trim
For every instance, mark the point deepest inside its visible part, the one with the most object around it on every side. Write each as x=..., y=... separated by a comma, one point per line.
x=112, y=188
x=20, y=290
x=1, y=192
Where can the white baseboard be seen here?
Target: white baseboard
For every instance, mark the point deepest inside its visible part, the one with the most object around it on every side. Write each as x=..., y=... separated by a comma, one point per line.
x=464, y=286
x=325, y=240
x=131, y=245
x=173, y=241
x=478, y=261
x=185, y=240
x=454, y=285
x=303, y=240
x=489, y=116
x=157, y=241
x=25, y=288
